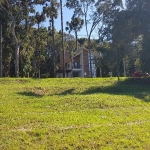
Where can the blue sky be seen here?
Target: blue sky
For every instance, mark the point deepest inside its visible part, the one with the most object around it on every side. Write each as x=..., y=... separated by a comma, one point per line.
x=67, y=14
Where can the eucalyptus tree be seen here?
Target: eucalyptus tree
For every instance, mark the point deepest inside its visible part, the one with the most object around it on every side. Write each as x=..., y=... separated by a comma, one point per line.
x=108, y=11
x=6, y=43
x=140, y=13
x=126, y=27
x=81, y=8
x=18, y=12
x=94, y=13
x=27, y=55
x=1, y=39
x=100, y=16
x=121, y=37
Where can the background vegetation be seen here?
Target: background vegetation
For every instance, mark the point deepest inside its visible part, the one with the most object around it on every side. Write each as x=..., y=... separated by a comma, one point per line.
x=123, y=30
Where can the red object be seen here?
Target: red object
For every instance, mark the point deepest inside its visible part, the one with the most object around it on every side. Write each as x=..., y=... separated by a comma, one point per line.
x=140, y=74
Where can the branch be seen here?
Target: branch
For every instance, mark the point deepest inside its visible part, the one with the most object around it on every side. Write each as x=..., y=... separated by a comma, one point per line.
x=5, y=8
x=95, y=23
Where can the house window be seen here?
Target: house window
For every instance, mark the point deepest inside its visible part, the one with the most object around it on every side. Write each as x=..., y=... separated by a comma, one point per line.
x=75, y=65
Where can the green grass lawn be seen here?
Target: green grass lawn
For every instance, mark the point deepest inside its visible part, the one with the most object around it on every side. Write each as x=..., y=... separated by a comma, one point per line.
x=75, y=114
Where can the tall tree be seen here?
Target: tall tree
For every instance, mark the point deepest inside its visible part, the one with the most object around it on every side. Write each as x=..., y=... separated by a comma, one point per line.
x=93, y=12
x=139, y=12
x=6, y=42
x=75, y=25
x=51, y=10
x=1, y=39
x=39, y=19
x=82, y=8
x=108, y=11
x=62, y=34
x=18, y=12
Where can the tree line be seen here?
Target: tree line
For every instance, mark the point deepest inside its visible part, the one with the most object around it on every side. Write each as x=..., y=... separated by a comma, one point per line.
x=28, y=49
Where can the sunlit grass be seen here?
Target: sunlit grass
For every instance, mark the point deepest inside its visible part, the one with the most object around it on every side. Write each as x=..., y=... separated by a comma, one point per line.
x=77, y=113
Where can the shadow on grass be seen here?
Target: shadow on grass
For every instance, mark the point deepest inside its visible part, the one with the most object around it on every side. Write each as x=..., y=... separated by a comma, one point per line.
x=30, y=94
x=136, y=87
x=68, y=91
x=132, y=87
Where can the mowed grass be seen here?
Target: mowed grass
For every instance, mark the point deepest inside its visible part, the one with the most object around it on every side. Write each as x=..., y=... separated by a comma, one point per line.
x=74, y=114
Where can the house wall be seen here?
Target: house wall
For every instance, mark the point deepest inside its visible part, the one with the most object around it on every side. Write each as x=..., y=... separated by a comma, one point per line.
x=85, y=63
x=82, y=64
x=83, y=69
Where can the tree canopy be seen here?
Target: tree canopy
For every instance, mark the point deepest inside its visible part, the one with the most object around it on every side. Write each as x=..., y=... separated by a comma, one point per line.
x=123, y=31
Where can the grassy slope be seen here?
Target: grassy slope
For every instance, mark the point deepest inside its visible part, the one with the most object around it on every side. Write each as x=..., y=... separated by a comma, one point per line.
x=74, y=114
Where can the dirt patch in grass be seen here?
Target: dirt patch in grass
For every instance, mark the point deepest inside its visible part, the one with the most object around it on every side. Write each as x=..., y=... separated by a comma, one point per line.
x=35, y=91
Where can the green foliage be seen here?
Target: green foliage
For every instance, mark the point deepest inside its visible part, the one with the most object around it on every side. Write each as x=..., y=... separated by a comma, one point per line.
x=145, y=53
x=75, y=24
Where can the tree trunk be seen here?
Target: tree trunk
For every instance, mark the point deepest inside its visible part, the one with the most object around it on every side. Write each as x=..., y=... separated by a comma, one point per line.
x=38, y=51
x=62, y=34
x=90, y=57
x=118, y=67
x=100, y=68
x=85, y=19
x=54, y=54
x=1, y=65
x=13, y=15
x=76, y=40
x=39, y=66
x=17, y=50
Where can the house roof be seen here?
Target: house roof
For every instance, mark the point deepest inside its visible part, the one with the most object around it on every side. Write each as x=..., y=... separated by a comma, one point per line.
x=78, y=52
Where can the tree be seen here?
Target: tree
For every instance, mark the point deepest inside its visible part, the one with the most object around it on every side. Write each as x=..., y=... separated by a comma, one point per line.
x=1, y=39
x=140, y=12
x=39, y=18
x=6, y=43
x=75, y=25
x=111, y=25
x=81, y=8
x=98, y=12
x=18, y=12
x=145, y=53
x=62, y=34
x=51, y=10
